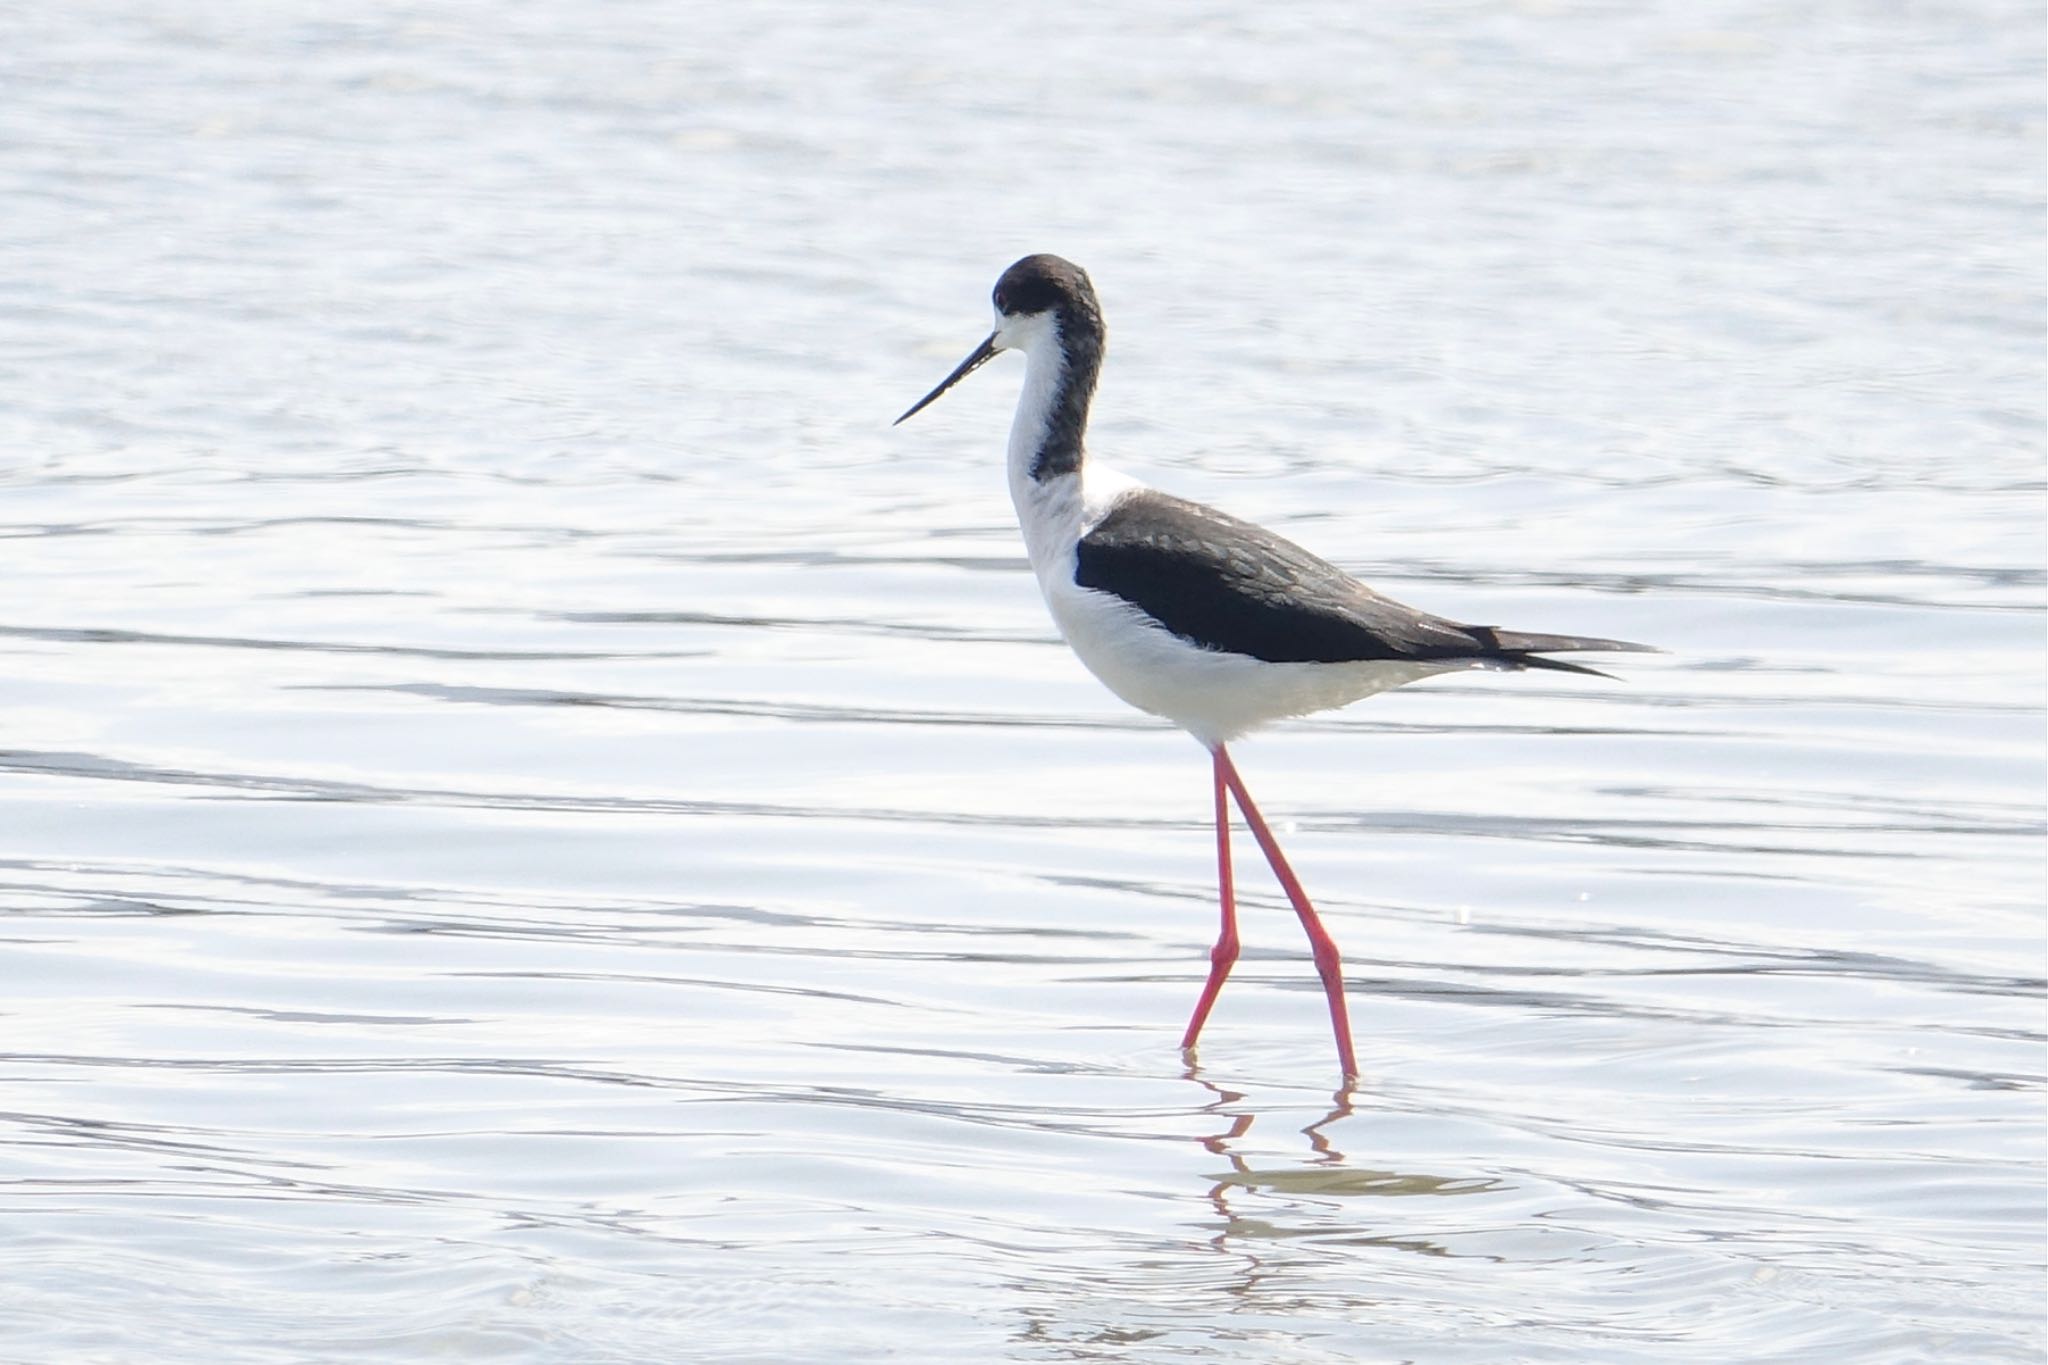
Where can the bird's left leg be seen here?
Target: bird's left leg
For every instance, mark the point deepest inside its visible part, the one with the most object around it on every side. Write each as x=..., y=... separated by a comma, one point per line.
x=1328, y=965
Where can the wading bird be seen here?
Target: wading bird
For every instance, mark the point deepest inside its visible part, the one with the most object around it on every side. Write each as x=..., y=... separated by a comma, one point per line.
x=1217, y=625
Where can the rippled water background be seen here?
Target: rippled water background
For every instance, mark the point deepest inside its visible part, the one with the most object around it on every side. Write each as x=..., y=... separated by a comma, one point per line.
x=536, y=827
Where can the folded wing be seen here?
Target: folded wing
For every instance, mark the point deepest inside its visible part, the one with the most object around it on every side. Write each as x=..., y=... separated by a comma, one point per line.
x=1229, y=585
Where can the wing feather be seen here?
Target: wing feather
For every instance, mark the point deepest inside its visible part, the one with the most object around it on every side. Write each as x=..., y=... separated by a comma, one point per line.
x=1230, y=585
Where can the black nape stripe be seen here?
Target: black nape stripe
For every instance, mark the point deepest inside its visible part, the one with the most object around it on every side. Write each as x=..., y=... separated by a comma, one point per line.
x=1066, y=425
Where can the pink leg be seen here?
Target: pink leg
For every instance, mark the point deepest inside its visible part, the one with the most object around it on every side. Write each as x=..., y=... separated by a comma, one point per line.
x=1321, y=945
x=1224, y=954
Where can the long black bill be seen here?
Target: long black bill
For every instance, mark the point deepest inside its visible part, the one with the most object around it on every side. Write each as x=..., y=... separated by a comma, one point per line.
x=982, y=355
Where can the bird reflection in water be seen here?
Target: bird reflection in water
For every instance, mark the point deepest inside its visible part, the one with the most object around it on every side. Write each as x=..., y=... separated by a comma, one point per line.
x=1329, y=1174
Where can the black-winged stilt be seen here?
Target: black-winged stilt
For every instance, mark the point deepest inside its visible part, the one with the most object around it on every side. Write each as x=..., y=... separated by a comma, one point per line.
x=1216, y=624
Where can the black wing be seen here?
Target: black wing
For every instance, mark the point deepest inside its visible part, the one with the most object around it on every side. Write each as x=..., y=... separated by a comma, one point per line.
x=1229, y=585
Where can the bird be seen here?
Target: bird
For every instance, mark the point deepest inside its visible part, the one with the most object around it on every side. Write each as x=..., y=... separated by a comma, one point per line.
x=1213, y=623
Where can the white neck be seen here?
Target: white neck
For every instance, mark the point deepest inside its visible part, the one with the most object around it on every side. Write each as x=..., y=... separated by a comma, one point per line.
x=1044, y=366
x=1048, y=510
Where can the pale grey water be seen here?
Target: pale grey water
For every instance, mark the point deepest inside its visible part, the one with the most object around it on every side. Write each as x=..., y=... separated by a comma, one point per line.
x=537, y=828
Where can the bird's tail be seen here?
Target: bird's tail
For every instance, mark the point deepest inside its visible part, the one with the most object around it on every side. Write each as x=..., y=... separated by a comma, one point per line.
x=1520, y=649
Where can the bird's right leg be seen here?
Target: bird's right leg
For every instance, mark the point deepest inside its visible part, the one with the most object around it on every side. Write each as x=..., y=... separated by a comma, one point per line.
x=1224, y=954
x=1321, y=945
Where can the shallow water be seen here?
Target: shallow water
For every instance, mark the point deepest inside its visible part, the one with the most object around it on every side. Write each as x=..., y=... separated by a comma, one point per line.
x=537, y=828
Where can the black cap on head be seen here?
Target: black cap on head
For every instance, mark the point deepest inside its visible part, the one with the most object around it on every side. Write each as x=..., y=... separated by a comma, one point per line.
x=1041, y=283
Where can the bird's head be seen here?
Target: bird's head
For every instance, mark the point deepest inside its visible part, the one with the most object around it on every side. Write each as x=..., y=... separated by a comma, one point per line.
x=1041, y=301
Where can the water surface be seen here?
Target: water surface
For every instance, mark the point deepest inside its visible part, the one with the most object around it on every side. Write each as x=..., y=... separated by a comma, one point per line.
x=536, y=827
